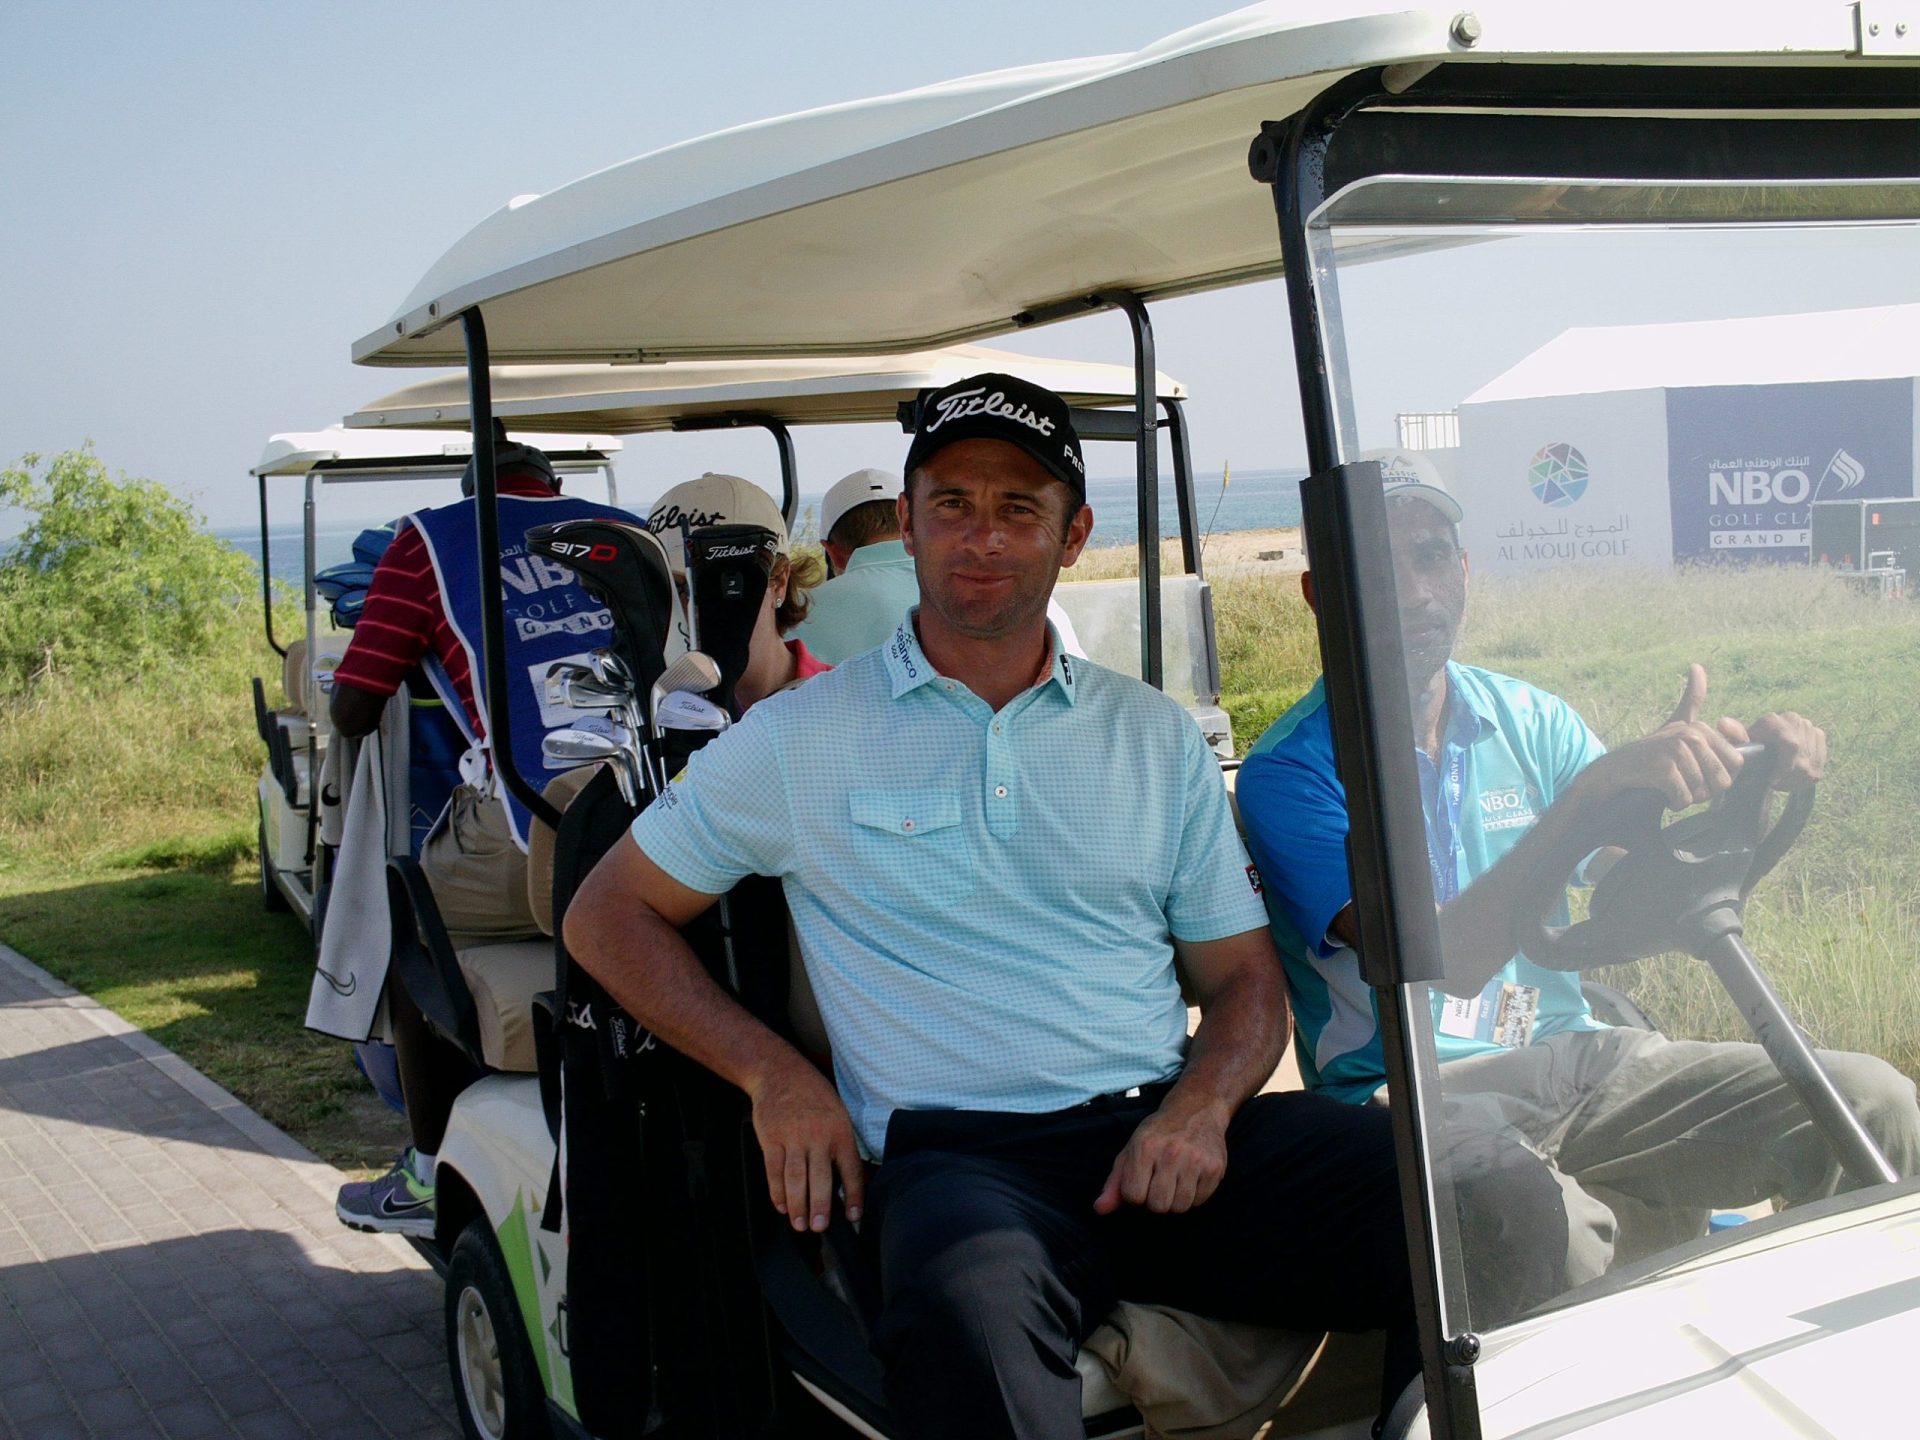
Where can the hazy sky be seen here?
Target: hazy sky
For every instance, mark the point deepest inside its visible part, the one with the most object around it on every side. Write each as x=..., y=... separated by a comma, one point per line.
x=207, y=202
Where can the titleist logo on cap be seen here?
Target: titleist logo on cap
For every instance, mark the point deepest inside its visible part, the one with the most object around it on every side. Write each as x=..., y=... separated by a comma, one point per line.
x=672, y=516
x=977, y=402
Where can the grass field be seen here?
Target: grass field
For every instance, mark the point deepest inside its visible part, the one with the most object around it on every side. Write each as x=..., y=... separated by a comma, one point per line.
x=127, y=818
x=127, y=868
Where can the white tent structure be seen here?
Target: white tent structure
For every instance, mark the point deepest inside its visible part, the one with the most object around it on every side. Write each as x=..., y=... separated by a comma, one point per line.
x=1643, y=445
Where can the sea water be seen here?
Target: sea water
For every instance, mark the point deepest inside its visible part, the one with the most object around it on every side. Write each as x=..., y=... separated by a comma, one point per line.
x=1249, y=500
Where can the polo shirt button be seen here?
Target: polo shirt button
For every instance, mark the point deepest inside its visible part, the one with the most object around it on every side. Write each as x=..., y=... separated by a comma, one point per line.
x=906, y=824
x=1001, y=791
x=996, y=727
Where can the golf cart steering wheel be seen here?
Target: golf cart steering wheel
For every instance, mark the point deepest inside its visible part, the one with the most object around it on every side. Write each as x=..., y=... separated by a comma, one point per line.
x=1684, y=886
x=1678, y=887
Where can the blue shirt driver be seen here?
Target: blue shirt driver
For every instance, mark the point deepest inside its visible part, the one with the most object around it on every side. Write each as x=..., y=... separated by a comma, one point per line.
x=1509, y=751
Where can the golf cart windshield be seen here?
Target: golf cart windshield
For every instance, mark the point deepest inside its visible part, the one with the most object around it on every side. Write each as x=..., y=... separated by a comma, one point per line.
x=1676, y=426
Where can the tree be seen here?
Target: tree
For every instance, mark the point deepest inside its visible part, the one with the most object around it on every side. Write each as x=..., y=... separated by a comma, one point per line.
x=109, y=576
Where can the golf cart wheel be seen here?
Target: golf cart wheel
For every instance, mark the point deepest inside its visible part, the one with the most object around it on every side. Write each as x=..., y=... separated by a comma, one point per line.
x=495, y=1381
x=271, y=900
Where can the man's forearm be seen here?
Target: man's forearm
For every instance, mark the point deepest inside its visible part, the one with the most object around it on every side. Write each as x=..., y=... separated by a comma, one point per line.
x=1244, y=1029
x=651, y=971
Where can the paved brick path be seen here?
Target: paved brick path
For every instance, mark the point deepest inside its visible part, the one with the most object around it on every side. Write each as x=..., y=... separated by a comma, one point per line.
x=169, y=1262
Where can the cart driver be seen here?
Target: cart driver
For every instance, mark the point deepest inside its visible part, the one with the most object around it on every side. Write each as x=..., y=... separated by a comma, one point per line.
x=1636, y=1128
x=994, y=854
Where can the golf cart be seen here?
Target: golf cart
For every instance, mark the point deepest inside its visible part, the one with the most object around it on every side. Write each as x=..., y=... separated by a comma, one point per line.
x=494, y=1170
x=293, y=861
x=1456, y=192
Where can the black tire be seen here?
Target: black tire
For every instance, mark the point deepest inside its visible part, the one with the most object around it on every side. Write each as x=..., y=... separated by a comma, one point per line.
x=496, y=1384
x=271, y=900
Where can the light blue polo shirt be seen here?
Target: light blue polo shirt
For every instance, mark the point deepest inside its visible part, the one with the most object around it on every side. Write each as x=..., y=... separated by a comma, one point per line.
x=860, y=607
x=1510, y=751
x=985, y=901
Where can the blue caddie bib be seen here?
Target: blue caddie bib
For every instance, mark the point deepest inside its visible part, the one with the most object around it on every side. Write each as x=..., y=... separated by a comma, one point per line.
x=549, y=617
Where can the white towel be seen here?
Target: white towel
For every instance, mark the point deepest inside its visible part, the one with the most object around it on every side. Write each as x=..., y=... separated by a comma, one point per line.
x=356, y=940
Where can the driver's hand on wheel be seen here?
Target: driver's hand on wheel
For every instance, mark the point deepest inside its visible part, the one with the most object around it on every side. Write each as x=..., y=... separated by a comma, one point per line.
x=1796, y=747
x=805, y=1136
x=1686, y=760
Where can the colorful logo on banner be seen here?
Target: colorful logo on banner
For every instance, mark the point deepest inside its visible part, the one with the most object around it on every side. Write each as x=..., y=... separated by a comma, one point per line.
x=1557, y=475
x=1746, y=462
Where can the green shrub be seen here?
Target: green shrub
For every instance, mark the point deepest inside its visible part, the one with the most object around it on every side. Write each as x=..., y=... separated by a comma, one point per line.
x=109, y=577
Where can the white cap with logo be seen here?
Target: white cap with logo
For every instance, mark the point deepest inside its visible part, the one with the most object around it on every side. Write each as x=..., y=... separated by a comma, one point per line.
x=1409, y=473
x=713, y=499
x=860, y=488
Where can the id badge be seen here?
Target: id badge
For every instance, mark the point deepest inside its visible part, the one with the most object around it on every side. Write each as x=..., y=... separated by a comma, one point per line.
x=1514, y=1014
x=1460, y=1016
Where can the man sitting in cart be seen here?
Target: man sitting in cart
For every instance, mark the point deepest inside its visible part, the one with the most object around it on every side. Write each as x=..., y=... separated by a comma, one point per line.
x=422, y=614
x=994, y=854
x=1662, y=1129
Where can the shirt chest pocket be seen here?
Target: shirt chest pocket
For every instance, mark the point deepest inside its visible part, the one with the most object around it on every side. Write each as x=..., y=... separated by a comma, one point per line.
x=911, y=848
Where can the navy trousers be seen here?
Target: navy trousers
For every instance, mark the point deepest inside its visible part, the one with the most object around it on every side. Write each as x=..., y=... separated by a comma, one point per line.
x=994, y=1266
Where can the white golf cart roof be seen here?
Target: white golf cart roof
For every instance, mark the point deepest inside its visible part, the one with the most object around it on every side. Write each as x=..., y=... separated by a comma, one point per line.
x=965, y=206
x=628, y=399
x=298, y=452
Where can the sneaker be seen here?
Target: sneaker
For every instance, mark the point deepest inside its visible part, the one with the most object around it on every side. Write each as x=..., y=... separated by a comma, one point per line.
x=395, y=1204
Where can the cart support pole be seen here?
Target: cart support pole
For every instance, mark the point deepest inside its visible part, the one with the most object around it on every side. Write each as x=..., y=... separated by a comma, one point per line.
x=266, y=571
x=1147, y=448
x=486, y=516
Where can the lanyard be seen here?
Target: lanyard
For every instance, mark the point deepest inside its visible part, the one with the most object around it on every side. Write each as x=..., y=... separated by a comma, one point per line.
x=1443, y=826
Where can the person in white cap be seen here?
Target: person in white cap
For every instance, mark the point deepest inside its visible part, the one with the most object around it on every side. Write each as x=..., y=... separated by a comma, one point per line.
x=872, y=580
x=773, y=662
x=1574, y=1144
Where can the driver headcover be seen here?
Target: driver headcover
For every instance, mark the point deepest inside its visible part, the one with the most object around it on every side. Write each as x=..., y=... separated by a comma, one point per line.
x=625, y=566
x=731, y=566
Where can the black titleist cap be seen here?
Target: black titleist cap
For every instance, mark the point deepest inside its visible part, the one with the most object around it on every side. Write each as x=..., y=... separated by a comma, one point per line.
x=1002, y=407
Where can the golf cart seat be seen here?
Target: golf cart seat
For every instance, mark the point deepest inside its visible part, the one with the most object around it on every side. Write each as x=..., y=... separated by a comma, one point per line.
x=284, y=730
x=481, y=997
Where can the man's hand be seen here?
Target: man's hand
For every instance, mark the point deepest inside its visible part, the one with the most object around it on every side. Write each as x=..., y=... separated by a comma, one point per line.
x=1796, y=747
x=1686, y=760
x=1171, y=1164
x=805, y=1135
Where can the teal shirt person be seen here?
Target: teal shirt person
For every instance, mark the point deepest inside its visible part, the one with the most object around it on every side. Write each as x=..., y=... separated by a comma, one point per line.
x=986, y=901
x=859, y=608
x=1510, y=750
